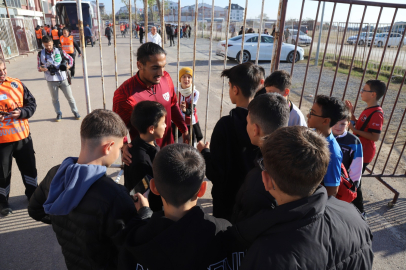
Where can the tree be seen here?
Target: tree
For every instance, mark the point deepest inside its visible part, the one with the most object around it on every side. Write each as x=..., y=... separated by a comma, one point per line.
x=265, y=16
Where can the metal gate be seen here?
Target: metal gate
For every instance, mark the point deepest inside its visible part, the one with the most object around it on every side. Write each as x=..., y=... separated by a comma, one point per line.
x=23, y=36
x=30, y=35
x=8, y=43
x=389, y=161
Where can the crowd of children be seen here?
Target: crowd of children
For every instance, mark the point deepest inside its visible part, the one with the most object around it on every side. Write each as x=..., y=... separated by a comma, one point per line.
x=274, y=174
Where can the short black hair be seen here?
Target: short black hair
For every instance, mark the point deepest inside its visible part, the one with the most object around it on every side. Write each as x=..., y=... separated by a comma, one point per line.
x=46, y=39
x=379, y=87
x=331, y=107
x=269, y=111
x=102, y=123
x=246, y=76
x=67, y=29
x=178, y=172
x=145, y=114
x=280, y=79
x=148, y=49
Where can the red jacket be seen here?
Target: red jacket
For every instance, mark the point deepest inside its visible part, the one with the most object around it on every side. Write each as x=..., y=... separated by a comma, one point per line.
x=134, y=90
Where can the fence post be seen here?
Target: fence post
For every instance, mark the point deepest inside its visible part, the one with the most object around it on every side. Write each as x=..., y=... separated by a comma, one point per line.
x=316, y=60
x=277, y=43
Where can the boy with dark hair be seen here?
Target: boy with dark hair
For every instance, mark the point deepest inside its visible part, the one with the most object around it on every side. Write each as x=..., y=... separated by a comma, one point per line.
x=351, y=148
x=280, y=82
x=231, y=155
x=324, y=114
x=368, y=126
x=325, y=232
x=181, y=236
x=148, y=118
x=266, y=113
x=82, y=203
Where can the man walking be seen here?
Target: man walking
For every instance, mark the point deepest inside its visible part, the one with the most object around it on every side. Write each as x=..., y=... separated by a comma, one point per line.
x=50, y=62
x=154, y=37
x=16, y=105
x=141, y=34
x=171, y=35
x=108, y=32
x=88, y=35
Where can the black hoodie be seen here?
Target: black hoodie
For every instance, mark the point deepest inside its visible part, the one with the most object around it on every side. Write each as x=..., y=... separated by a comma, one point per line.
x=196, y=241
x=230, y=158
x=316, y=232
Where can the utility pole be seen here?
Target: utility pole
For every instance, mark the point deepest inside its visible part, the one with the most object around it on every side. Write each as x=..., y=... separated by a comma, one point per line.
x=5, y=3
x=316, y=61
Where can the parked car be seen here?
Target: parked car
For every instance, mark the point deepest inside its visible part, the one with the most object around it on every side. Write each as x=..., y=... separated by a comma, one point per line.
x=303, y=38
x=107, y=23
x=395, y=39
x=362, y=39
x=250, y=49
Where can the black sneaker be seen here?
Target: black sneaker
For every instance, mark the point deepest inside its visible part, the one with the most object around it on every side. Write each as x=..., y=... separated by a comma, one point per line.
x=77, y=116
x=58, y=117
x=5, y=209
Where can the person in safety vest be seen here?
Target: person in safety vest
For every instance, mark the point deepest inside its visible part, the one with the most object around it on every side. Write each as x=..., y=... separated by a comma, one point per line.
x=122, y=29
x=38, y=34
x=55, y=36
x=68, y=45
x=17, y=104
x=55, y=63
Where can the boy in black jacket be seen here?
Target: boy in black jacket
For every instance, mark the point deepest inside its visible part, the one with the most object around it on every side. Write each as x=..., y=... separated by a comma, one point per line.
x=182, y=236
x=148, y=117
x=82, y=203
x=266, y=113
x=230, y=154
x=308, y=229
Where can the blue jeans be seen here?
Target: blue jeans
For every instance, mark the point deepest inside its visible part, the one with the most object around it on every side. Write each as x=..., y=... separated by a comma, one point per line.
x=66, y=90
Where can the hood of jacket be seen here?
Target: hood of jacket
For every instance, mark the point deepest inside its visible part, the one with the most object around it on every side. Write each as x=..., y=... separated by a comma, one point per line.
x=70, y=184
x=286, y=217
x=239, y=121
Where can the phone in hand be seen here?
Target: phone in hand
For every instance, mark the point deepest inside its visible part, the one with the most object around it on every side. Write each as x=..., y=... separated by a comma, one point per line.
x=142, y=187
x=353, y=122
x=4, y=113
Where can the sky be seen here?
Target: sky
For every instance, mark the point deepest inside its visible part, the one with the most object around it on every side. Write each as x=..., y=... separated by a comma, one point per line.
x=293, y=10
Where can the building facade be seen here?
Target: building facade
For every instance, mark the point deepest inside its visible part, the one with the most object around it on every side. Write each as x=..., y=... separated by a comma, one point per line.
x=35, y=9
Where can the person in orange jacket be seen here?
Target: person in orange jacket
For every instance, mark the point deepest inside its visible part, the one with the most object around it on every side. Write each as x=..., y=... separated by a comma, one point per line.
x=68, y=45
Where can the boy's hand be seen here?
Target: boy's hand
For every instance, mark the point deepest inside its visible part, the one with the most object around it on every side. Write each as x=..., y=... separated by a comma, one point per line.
x=126, y=156
x=183, y=106
x=140, y=201
x=201, y=146
x=348, y=104
x=186, y=137
x=15, y=114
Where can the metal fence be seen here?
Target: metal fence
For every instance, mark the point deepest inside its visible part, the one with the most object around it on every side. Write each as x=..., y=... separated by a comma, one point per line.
x=30, y=34
x=8, y=43
x=25, y=38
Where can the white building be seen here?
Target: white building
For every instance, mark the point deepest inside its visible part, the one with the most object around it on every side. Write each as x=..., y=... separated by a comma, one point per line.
x=237, y=12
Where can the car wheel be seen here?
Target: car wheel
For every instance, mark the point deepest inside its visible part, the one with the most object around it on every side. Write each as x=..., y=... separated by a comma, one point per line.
x=246, y=57
x=361, y=42
x=290, y=57
x=380, y=44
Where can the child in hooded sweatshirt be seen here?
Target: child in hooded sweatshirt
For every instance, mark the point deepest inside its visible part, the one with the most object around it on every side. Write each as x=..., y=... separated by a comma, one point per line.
x=82, y=203
x=185, y=98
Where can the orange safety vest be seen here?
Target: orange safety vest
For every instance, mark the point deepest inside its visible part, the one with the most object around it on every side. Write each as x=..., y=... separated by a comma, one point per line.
x=11, y=98
x=122, y=28
x=38, y=33
x=67, y=44
x=46, y=30
x=55, y=35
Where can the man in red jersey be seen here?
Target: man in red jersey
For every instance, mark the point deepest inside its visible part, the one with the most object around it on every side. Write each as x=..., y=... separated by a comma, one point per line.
x=153, y=83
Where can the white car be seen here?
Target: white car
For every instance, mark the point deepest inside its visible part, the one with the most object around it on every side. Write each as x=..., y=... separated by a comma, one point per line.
x=394, y=39
x=250, y=49
x=303, y=38
x=362, y=39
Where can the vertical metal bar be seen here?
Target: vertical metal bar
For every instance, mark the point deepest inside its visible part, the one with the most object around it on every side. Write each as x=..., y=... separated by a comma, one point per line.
x=316, y=60
x=277, y=42
x=208, y=79
x=243, y=32
x=389, y=121
x=297, y=38
x=394, y=140
x=163, y=29
x=82, y=43
x=177, y=66
x=225, y=56
x=400, y=156
x=325, y=51
x=131, y=38
x=310, y=55
x=99, y=21
x=393, y=67
x=115, y=43
x=386, y=43
x=341, y=50
x=369, y=55
x=355, y=50
x=260, y=32
x=192, y=97
x=146, y=20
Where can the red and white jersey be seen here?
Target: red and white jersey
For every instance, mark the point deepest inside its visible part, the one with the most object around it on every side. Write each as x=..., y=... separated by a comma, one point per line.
x=188, y=103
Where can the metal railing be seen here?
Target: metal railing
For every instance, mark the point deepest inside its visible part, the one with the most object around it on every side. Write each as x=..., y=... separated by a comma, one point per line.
x=8, y=43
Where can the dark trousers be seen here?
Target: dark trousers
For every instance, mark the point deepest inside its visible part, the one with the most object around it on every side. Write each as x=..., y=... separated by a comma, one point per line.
x=109, y=39
x=141, y=38
x=56, y=43
x=359, y=201
x=23, y=152
x=72, y=69
x=39, y=43
x=171, y=40
x=88, y=38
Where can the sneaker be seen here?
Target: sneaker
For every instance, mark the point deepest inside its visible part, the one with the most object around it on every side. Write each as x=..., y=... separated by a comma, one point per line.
x=5, y=209
x=58, y=117
x=77, y=116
